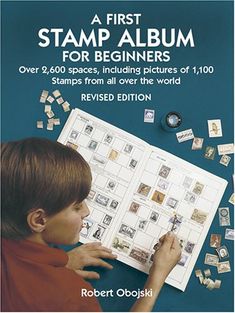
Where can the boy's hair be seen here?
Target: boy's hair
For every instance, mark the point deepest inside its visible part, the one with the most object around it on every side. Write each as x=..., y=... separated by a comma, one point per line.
x=39, y=173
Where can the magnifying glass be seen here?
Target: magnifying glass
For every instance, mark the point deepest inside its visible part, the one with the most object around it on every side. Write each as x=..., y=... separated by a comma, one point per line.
x=171, y=121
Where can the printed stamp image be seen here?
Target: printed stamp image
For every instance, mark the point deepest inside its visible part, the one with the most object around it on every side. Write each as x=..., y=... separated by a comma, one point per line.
x=39, y=124
x=74, y=134
x=113, y=155
x=86, y=227
x=198, y=188
x=223, y=267
x=108, y=139
x=92, y=144
x=128, y=148
x=142, y=224
x=56, y=93
x=139, y=255
x=99, y=160
x=197, y=143
x=189, y=247
x=107, y=219
x=121, y=245
x=158, y=196
x=215, y=240
x=134, y=207
x=99, y=232
x=88, y=130
x=127, y=231
x=227, y=148
x=154, y=216
x=199, y=216
x=224, y=217
x=143, y=189
x=102, y=200
x=190, y=197
x=222, y=252
x=229, y=234
x=149, y=116
x=114, y=204
x=43, y=96
x=163, y=184
x=209, y=153
x=185, y=135
x=60, y=100
x=214, y=128
x=171, y=202
x=225, y=159
x=211, y=259
x=133, y=163
x=176, y=221
x=164, y=171
x=111, y=185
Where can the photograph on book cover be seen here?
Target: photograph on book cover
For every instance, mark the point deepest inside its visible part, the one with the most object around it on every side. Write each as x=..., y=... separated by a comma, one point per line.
x=143, y=91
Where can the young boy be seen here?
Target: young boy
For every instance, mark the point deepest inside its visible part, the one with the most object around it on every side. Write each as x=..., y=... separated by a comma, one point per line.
x=44, y=187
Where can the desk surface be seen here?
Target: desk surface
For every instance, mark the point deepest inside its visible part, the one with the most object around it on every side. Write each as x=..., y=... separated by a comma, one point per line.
x=198, y=99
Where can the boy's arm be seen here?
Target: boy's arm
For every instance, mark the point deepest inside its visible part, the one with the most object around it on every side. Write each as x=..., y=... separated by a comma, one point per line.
x=164, y=261
x=89, y=254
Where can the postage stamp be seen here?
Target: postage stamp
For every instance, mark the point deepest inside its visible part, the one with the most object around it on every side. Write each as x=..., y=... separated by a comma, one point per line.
x=209, y=153
x=224, y=217
x=139, y=255
x=108, y=138
x=127, y=230
x=229, y=234
x=215, y=128
x=197, y=143
x=211, y=259
x=102, y=200
x=99, y=232
x=93, y=144
x=198, y=188
x=199, y=216
x=121, y=245
x=158, y=196
x=134, y=207
x=86, y=227
x=223, y=267
x=222, y=252
x=225, y=159
x=185, y=135
x=215, y=240
x=227, y=148
x=149, y=116
x=144, y=189
x=88, y=129
x=107, y=219
x=113, y=155
x=164, y=171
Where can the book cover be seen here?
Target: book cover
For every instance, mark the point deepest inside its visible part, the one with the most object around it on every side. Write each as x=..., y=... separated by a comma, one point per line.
x=130, y=64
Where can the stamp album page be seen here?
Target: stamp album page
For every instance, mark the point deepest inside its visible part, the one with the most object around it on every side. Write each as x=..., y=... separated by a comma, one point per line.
x=139, y=193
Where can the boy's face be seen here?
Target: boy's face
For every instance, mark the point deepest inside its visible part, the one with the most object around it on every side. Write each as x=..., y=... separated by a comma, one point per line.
x=65, y=226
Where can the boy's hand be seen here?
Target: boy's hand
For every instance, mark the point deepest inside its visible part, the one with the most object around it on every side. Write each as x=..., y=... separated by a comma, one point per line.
x=166, y=257
x=89, y=254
